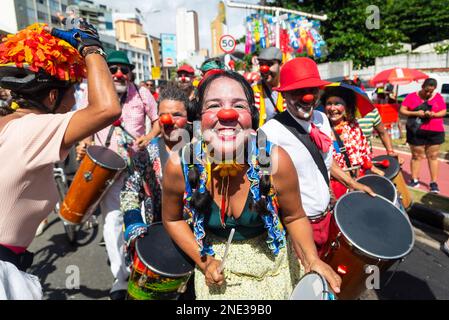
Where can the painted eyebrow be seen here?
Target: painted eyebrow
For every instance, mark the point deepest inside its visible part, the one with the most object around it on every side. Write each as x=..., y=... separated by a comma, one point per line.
x=233, y=100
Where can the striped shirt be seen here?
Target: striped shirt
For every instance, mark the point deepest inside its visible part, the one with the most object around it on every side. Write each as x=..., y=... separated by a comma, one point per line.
x=368, y=122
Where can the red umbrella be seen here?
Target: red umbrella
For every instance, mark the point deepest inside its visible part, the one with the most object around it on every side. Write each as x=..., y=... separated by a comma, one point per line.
x=398, y=76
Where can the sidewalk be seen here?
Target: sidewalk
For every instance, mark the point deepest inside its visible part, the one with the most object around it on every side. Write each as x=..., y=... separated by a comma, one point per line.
x=404, y=152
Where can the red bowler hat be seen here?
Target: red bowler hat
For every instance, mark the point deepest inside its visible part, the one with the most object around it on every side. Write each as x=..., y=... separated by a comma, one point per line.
x=186, y=68
x=300, y=73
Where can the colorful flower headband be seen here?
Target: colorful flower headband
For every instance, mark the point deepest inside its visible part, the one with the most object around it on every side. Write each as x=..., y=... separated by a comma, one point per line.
x=37, y=48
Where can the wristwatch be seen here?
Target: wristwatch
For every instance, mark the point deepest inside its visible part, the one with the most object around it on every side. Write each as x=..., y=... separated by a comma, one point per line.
x=94, y=49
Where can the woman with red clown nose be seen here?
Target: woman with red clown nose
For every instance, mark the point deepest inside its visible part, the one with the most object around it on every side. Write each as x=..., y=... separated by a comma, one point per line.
x=230, y=179
x=144, y=184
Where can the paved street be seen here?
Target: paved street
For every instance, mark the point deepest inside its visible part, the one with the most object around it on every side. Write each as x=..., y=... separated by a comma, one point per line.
x=423, y=275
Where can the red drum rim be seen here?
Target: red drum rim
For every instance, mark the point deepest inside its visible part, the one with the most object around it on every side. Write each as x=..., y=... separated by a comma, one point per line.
x=324, y=286
x=365, y=251
x=118, y=160
x=388, y=181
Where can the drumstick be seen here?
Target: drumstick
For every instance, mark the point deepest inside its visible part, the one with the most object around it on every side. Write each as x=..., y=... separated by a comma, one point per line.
x=231, y=235
x=384, y=163
x=118, y=123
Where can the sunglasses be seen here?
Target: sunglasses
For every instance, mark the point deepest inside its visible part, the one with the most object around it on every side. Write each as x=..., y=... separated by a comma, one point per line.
x=124, y=69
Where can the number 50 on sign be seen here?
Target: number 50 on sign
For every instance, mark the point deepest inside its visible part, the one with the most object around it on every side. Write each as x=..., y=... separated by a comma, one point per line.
x=227, y=43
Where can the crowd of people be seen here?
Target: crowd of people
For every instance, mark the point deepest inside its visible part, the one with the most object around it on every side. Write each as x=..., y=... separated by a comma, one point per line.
x=204, y=157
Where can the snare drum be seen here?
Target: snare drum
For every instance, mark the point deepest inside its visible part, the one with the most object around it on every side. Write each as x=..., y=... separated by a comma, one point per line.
x=381, y=186
x=394, y=173
x=366, y=232
x=160, y=268
x=98, y=170
x=312, y=286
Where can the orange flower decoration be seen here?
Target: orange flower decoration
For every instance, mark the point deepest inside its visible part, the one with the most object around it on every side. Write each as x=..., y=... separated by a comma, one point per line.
x=37, y=48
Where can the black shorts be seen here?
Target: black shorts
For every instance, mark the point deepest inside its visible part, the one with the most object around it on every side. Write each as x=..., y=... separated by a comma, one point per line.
x=425, y=138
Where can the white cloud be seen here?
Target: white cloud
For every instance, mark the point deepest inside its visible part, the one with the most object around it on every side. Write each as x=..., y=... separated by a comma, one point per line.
x=165, y=20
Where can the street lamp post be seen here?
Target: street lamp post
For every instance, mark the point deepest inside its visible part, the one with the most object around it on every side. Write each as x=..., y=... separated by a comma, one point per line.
x=142, y=16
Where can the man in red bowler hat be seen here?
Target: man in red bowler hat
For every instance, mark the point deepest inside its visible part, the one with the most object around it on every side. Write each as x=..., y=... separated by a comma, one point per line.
x=186, y=75
x=305, y=133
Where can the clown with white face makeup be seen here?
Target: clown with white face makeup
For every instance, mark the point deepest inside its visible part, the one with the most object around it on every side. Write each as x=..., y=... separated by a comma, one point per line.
x=300, y=85
x=186, y=75
x=228, y=180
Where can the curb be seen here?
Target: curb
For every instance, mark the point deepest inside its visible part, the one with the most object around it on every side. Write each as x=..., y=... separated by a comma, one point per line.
x=444, y=156
x=432, y=217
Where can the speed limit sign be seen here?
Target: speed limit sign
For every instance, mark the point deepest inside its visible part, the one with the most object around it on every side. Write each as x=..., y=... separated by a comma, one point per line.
x=227, y=43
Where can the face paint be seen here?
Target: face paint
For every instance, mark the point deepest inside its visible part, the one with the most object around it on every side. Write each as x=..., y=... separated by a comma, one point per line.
x=335, y=110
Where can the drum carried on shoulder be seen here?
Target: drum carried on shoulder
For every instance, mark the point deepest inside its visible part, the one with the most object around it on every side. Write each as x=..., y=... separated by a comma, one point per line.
x=160, y=269
x=97, y=171
x=366, y=233
x=394, y=173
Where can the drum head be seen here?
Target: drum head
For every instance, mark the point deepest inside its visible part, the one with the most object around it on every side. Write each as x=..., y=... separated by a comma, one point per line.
x=161, y=255
x=312, y=286
x=374, y=225
x=380, y=185
x=392, y=170
x=106, y=158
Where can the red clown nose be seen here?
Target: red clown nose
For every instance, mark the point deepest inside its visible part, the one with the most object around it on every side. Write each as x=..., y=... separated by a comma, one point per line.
x=264, y=69
x=117, y=123
x=308, y=98
x=167, y=120
x=119, y=74
x=227, y=115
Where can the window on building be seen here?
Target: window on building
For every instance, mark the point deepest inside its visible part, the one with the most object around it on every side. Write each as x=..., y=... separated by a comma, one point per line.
x=42, y=1
x=54, y=6
x=42, y=16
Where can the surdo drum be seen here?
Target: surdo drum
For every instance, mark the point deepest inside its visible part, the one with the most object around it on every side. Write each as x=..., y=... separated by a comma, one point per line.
x=366, y=233
x=394, y=173
x=160, y=268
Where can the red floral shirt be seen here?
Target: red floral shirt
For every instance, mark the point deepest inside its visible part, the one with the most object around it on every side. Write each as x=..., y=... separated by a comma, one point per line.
x=357, y=147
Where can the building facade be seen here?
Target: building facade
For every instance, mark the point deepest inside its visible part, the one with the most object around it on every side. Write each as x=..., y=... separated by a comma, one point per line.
x=187, y=38
x=18, y=14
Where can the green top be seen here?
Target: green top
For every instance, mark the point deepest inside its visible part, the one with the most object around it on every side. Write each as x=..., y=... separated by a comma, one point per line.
x=249, y=225
x=368, y=122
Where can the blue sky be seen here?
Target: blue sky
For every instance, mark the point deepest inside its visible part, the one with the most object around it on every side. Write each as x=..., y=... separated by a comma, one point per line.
x=165, y=22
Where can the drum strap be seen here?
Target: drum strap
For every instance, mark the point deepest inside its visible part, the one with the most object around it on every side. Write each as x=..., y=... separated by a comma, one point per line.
x=343, y=150
x=298, y=131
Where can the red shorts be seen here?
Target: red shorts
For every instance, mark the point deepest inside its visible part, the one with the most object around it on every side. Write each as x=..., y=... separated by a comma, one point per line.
x=321, y=233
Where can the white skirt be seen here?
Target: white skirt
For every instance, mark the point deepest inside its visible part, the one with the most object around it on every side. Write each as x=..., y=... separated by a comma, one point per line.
x=18, y=285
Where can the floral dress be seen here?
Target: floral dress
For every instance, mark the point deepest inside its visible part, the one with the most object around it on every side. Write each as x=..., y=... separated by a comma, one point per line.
x=142, y=186
x=357, y=149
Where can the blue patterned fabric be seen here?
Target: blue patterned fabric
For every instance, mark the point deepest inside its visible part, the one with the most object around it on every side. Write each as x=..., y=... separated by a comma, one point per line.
x=276, y=234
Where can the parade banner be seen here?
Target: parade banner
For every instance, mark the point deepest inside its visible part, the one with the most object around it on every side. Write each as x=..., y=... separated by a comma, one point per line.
x=298, y=35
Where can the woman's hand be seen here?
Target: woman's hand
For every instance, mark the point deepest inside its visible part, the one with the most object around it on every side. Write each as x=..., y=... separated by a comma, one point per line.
x=361, y=187
x=212, y=274
x=81, y=150
x=377, y=171
x=420, y=113
x=327, y=272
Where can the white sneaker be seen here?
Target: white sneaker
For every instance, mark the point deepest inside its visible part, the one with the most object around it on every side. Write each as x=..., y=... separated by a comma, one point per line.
x=42, y=226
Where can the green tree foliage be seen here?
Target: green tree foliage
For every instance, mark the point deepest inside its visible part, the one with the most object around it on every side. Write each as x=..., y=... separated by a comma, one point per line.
x=347, y=35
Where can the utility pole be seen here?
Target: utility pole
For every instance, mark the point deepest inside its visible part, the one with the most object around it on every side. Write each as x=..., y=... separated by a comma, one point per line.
x=277, y=12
